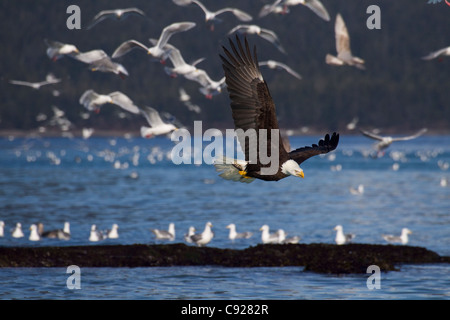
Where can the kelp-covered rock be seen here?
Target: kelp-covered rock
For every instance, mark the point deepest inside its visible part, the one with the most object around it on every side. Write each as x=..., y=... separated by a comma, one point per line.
x=322, y=258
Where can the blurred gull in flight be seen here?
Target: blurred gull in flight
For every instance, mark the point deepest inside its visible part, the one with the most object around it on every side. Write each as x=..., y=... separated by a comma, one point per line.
x=212, y=16
x=266, y=34
x=93, y=101
x=385, y=142
x=118, y=14
x=158, y=126
x=57, y=50
x=315, y=5
x=280, y=66
x=98, y=60
x=159, y=49
x=344, y=53
x=438, y=53
x=50, y=79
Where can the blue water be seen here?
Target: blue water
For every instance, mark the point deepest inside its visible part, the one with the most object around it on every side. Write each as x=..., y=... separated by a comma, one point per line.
x=133, y=182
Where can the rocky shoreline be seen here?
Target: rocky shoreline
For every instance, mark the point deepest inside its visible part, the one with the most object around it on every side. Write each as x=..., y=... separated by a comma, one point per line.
x=320, y=258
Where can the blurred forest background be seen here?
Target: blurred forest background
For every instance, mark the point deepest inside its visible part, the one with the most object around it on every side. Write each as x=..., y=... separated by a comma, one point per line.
x=398, y=92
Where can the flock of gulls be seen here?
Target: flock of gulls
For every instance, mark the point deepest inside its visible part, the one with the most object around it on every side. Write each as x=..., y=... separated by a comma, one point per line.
x=251, y=103
x=38, y=233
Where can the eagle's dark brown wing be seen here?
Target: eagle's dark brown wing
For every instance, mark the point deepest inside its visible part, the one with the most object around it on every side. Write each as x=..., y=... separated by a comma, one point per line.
x=324, y=146
x=251, y=103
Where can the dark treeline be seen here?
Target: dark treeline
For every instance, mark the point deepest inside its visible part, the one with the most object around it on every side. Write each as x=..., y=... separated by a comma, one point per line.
x=397, y=92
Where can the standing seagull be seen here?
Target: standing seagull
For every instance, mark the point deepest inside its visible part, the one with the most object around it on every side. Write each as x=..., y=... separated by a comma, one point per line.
x=253, y=108
x=385, y=142
x=211, y=16
x=62, y=234
x=188, y=236
x=113, y=233
x=342, y=238
x=92, y=101
x=17, y=231
x=205, y=237
x=344, y=52
x=403, y=238
x=2, y=228
x=235, y=235
x=165, y=235
x=95, y=234
x=438, y=53
x=267, y=237
x=159, y=50
x=34, y=235
x=118, y=14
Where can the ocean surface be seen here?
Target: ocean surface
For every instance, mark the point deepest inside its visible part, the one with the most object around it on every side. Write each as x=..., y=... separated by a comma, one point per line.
x=134, y=183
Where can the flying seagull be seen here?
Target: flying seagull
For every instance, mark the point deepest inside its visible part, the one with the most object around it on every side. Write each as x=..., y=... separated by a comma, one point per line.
x=266, y=34
x=180, y=67
x=159, y=50
x=315, y=5
x=344, y=53
x=403, y=238
x=157, y=125
x=208, y=87
x=237, y=235
x=280, y=66
x=118, y=14
x=342, y=238
x=211, y=16
x=385, y=142
x=438, y=53
x=49, y=79
x=98, y=60
x=254, y=110
x=57, y=50
x=93, y=101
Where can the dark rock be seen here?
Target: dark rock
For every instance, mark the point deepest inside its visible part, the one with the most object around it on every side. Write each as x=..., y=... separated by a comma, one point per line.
x=316, y=257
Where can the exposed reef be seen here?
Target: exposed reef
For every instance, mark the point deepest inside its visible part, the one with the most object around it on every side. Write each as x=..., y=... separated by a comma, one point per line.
x=321, y=258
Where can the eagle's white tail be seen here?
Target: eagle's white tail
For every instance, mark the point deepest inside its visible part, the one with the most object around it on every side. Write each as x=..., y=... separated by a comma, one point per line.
x=231, y=169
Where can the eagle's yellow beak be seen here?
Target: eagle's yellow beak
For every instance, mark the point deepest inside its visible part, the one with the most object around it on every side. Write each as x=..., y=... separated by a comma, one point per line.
x=301, y=174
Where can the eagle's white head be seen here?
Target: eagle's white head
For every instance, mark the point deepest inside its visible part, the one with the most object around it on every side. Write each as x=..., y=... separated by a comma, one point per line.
x=291, y=168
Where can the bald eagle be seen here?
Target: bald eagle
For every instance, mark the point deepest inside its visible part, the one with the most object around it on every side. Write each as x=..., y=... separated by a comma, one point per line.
x=253, y=109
